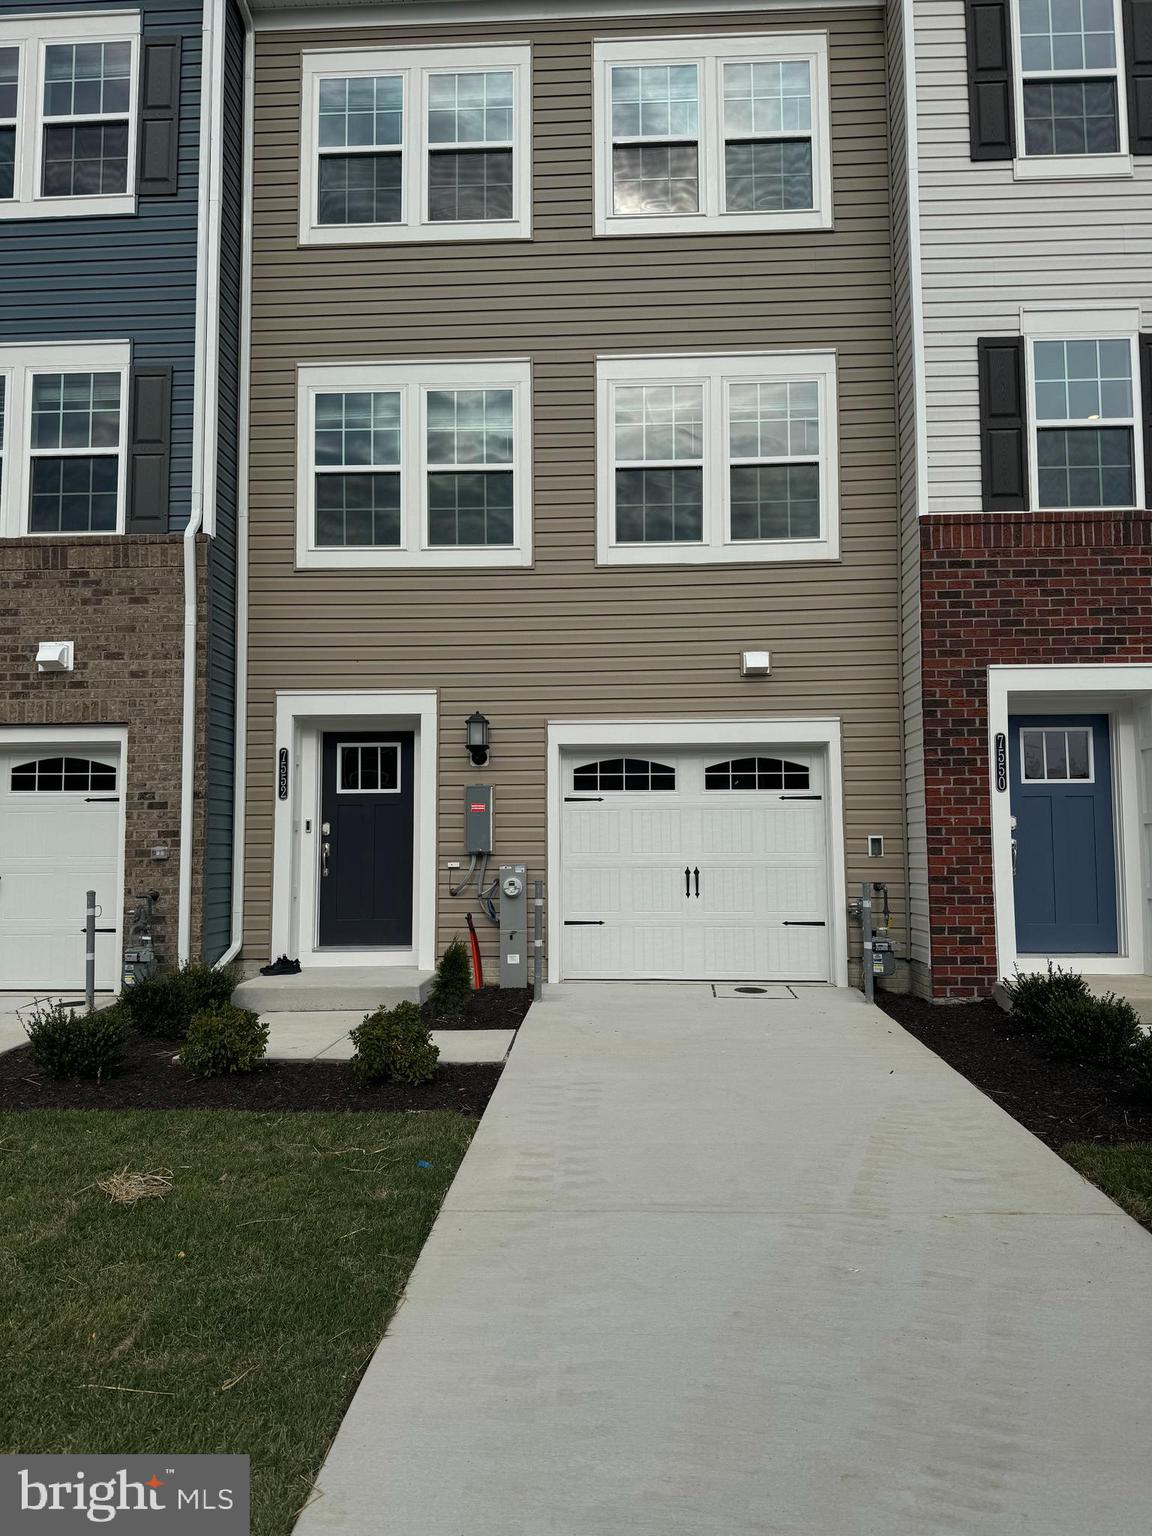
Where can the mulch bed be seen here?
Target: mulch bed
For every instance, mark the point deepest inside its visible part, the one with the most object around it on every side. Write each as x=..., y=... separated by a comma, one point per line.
x=1058, y=1101
x=150, y=1079
x=490, y=1008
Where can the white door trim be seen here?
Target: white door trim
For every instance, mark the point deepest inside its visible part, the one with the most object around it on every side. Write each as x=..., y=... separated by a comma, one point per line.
x=564, y=735
x=36, y=738
x=1122, y=682
x=300, y=717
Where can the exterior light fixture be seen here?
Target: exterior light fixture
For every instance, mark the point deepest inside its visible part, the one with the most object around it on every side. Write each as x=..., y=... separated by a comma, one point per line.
x=476, y=738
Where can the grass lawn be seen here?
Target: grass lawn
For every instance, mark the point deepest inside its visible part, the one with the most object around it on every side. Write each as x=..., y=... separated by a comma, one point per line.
x=1123, y=1172
x=240, y=1309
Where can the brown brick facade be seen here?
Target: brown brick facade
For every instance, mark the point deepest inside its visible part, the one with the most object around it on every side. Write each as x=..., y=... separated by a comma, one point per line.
x=121, y=601
x=1023, y=589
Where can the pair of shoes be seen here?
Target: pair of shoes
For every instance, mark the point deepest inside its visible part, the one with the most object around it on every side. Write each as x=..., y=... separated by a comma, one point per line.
x=281, y=967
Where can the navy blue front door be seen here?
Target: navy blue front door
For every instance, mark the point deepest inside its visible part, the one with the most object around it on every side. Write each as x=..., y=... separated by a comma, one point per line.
x=1065, y=882
x=366, y=839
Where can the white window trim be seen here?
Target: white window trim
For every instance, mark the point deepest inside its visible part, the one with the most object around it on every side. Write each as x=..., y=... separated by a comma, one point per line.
x=709, y=53
x=1057, y=325
x=32, y=34
x=1027, y=167
x=714, y=371
x=413, y=380
x=18, y=365
x=414, y=66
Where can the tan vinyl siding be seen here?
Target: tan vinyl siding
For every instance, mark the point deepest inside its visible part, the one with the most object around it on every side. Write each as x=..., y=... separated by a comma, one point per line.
x=903, y=312
x=566, y=639
x=991, y=244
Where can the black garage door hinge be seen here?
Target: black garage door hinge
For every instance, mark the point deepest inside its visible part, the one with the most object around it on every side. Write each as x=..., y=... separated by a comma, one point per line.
x=101, y=799
x=803, y=923
x=801, y=797
x=582, y=799
x=583, y=922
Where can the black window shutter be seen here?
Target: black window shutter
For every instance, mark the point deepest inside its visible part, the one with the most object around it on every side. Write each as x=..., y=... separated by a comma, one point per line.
x=991, y=111
x=1138, y=58
x=1146, y=400
x=159, y=117
x=1003, y=424
x=149, y=447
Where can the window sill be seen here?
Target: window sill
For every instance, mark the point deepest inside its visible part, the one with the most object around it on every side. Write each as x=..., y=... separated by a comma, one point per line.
x=410, y=559
x=423, y=234
x=791, y=552
x=707, y=224
x=1072, y=168
x=69, y=207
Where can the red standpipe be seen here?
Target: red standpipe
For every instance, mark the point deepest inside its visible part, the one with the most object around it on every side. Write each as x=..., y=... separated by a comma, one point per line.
x=477, y=963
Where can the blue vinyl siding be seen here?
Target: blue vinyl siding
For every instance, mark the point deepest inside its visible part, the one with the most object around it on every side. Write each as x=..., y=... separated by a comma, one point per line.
x=221, y=723
x=133, y=276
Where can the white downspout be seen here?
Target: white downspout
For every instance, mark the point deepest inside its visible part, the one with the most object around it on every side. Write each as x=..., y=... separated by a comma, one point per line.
x=242, y=501
x=203, y=434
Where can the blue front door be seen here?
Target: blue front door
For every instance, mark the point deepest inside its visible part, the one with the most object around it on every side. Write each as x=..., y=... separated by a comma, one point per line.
x=1065, y=880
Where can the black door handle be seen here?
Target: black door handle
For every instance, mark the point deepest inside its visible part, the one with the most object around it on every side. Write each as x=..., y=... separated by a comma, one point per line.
x=687, y=873
x=696, y=875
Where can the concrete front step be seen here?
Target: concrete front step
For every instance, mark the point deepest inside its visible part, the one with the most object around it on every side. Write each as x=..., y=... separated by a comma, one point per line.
x=328, y=989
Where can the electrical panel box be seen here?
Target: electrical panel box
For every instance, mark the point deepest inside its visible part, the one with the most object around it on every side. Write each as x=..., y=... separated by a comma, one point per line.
x=513, y=894
x=478, y=818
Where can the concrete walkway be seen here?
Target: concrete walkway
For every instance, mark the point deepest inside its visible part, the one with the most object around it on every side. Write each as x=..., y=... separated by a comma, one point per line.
x=723, y=1267
x=324, y=1037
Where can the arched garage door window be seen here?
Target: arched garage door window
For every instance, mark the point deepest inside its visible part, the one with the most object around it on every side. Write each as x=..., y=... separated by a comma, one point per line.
x=46, y=775
x=624, y=773
x=757, y=773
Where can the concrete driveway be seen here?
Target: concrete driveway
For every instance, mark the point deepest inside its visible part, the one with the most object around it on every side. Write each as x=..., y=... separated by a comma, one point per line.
x=715, y=1267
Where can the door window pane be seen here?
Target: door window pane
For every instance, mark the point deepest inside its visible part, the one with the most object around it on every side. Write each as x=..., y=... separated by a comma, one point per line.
x=1071, y=117
x=624, y=773
x=1056, y=755
x=371, y=767
x=757, y=773
x=63, y=774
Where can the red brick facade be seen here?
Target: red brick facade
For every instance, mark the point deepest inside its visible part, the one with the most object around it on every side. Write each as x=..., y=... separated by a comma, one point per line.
x=1022, y=589
x=121, y=601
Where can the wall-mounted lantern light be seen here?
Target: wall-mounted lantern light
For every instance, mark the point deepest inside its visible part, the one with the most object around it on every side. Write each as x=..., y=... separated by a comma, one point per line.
x=476, y=738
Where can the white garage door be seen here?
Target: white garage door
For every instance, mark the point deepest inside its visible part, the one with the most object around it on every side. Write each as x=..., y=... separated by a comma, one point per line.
x=59, y=837
x=695, y=865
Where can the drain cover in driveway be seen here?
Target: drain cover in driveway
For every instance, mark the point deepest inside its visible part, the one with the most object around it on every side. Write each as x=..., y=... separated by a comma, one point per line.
x=765, y=991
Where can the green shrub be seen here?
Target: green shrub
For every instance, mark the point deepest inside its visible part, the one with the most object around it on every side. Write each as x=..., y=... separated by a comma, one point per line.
x=452, y=985
x=67, y=1044
x=166, y=1003
x=1033, y=996
x=223, y=1039
x=1103, y=1030
x=393, y=1045
x=1137, y=1067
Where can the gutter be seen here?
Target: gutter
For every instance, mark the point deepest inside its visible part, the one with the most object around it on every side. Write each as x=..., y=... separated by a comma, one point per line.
x=241, y=720
x=204, y=390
